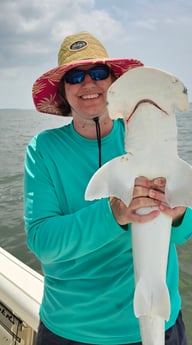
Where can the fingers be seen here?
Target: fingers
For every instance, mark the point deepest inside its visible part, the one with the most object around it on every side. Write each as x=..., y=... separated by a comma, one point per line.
x=125, y=215
x=158, y=182
x=137, y=218
x=140, y=191
x=154, y=189
x=157, y=195
x=142, y=181
x=176, y=213
x=146, y=194
x=141, y=188
x=143, y=202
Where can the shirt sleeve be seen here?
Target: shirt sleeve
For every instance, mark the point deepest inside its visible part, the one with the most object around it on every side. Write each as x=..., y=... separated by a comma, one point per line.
x=183, y=232
x=53, y=235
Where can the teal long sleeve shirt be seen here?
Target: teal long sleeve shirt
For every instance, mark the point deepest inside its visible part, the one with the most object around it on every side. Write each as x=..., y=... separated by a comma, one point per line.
x=86, y=256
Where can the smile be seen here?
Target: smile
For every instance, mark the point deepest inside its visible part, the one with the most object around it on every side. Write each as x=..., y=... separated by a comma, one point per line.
x=93, y=96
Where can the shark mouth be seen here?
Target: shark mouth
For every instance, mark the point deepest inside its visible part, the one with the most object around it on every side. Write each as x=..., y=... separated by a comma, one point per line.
x=145, y=100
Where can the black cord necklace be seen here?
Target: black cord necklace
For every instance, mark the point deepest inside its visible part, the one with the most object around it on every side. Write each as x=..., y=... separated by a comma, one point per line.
x=98, y=131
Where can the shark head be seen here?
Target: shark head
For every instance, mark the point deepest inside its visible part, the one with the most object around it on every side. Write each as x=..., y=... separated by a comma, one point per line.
x=146, y=84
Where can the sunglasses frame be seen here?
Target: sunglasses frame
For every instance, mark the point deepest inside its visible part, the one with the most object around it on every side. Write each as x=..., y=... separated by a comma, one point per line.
x=69, y=75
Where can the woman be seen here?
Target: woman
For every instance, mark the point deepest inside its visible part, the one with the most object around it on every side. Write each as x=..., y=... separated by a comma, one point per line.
x=85, y=247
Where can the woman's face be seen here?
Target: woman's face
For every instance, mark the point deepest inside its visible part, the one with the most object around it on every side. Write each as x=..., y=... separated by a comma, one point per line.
x=88, y=98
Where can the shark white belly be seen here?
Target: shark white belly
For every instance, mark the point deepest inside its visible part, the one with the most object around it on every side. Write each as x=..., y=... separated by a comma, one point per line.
x=147, y=99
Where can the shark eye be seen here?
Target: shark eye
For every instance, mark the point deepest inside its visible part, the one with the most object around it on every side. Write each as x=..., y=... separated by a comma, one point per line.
x=185, y=90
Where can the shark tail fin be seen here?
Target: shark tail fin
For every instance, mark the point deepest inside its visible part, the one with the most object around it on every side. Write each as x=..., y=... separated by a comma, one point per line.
x=151, y=302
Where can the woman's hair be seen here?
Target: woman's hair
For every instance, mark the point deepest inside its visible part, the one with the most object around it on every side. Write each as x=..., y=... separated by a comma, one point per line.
x=63, y=106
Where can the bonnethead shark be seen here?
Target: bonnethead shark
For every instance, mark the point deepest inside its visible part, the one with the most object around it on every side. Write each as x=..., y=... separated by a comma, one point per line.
x=147, y=98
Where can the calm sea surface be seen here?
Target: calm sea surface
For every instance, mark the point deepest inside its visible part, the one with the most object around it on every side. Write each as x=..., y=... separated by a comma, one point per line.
x=16, y=129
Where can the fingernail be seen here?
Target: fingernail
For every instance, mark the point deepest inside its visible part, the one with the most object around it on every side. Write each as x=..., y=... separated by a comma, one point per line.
x=151, y=193
x=159, y=181
x=162, y=207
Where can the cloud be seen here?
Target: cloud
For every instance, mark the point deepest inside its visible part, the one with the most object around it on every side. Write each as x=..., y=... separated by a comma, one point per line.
x=31, y=31
x=158, y=33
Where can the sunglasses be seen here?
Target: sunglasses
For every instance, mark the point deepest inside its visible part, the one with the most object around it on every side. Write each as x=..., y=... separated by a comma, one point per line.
x=77, y=76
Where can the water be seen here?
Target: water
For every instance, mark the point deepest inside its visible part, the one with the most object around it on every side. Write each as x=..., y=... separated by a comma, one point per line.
x=16, y=129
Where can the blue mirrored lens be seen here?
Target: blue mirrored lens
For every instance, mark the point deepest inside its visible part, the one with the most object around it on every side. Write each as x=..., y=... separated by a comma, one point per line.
x=99, y=73
x=76, y=76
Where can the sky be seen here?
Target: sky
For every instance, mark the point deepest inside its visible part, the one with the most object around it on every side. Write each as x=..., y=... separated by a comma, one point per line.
x=159, y=33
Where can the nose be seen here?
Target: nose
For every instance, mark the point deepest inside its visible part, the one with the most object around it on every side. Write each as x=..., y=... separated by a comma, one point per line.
x=88, y=79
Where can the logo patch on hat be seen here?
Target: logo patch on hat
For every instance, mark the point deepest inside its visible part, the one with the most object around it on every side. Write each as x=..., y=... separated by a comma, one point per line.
x=78, y=45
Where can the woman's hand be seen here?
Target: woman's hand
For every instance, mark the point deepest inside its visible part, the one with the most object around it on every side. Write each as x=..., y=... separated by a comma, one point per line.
x=146, y=193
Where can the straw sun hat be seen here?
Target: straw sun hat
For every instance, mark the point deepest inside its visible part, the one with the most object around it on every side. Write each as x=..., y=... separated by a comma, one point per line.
x=76, y=50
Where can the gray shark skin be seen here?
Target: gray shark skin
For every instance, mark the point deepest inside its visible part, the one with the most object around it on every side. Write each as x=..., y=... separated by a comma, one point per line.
x=147, y=99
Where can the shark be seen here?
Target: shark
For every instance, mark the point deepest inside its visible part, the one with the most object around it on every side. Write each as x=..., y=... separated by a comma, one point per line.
x=148, y=100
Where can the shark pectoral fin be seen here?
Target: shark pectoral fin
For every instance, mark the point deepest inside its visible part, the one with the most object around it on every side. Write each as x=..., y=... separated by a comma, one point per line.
x=179, y=191
x=111, y=179
x=152, y=302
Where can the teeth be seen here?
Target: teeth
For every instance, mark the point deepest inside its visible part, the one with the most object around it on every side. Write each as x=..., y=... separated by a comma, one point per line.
x=90, y=96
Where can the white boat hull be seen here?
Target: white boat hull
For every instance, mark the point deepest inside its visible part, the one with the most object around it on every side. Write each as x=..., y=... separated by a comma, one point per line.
x=21, y=290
